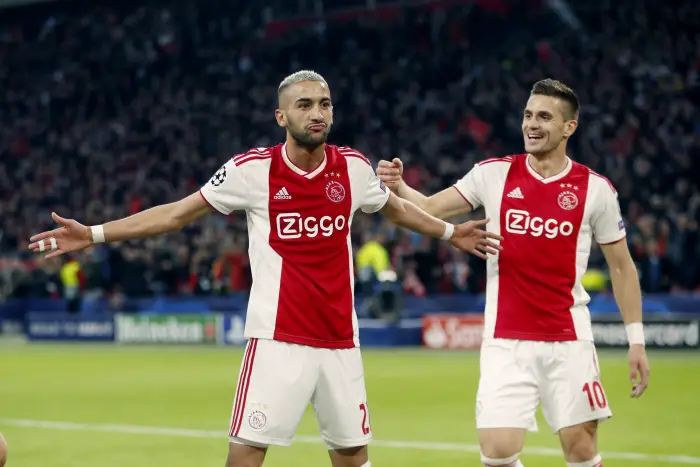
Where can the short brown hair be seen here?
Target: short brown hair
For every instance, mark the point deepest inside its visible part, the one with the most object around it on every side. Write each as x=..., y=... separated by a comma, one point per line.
x=553, y=88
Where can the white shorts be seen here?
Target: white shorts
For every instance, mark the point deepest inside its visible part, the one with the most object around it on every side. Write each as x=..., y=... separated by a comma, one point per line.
x=516, y=375
x=278, y=380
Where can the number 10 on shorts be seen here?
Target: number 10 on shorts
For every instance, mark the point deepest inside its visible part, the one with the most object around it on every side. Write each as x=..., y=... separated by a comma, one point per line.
x=366, y=428
x=596, y=395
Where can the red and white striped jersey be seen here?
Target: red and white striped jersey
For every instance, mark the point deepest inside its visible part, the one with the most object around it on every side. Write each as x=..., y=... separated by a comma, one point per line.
x=534, y=289
x=299, y=240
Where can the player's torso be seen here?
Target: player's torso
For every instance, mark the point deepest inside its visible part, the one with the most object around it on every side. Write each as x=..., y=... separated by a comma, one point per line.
x=534, y=288
x=299, y=244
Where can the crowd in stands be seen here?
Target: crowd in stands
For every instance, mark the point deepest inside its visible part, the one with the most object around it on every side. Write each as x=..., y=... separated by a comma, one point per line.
x=111, y=109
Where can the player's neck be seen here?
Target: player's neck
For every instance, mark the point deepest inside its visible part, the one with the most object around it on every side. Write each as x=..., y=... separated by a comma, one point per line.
x=549, y=164
x=304, y=158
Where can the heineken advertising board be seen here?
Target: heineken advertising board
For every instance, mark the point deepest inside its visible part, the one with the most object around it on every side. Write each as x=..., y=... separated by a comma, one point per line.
x=167, y=329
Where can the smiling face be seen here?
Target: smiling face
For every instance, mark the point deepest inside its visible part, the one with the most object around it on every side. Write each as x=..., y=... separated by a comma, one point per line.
x=548, y=122
x=306, y=111
x=550, y=117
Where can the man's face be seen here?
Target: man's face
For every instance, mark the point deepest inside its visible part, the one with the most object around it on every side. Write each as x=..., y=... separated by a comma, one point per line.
x=306, y=112
x=546, y=124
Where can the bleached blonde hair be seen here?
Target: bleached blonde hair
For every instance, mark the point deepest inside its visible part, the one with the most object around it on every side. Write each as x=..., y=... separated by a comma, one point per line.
x=298, y=77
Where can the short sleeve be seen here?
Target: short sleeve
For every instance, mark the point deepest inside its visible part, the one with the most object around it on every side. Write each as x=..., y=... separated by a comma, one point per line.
x=375, y=194
x=226, y=191
x=471, y=186
x=608, y=226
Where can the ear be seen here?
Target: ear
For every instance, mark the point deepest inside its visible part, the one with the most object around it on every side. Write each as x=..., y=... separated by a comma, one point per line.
x=280, y=117
x=570, y=127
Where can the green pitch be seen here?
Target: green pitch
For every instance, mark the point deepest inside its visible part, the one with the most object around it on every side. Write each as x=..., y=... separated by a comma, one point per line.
x=169, y=406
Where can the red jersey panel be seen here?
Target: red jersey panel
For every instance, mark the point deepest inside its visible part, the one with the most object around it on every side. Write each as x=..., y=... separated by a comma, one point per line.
x=309, y=232
x=538, y=262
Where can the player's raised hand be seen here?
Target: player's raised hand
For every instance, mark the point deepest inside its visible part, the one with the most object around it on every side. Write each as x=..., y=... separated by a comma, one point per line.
x=470, y=237
x=639, y=369
x=390, y=173
x=71, y=236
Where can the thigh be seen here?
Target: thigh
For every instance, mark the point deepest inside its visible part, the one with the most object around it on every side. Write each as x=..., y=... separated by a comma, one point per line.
x=241, y=455
x=579, y=442
x=501, y=443
x=340, y=400
x=275, y=385
x=350, y=457
x=508, y=391
x=572, y=389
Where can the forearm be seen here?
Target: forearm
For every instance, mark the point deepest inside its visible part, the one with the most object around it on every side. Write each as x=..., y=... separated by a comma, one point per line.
x=444, y=205
x=154, y=221
x=414, y=196
x=628, y=294
x=406, y=214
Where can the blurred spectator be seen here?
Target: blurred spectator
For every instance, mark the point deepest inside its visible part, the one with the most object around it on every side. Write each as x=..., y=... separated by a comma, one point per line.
x=372, y=259
x=109, y=109
x=73, y=281
x=654, y=269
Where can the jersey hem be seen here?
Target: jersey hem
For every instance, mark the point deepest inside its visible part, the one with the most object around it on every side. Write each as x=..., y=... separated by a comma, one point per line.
x=201, y=193
x=307, y=341
x=610, y=242
x=471, y=205
x=525, y=336
x=388, y=195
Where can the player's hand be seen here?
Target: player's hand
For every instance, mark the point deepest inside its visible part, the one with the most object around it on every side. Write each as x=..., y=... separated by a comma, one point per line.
x=471, y=238
x=639, y=369
x=71, y=236
x=390, y=173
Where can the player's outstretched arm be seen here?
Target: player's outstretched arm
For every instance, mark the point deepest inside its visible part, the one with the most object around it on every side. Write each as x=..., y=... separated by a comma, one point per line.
x=628, y=295
x=74, y=236
x=444, y=205
x=467, y=237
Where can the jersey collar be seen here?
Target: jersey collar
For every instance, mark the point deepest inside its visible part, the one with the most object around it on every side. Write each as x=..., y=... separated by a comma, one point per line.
x=300, y=171
x=553, y=178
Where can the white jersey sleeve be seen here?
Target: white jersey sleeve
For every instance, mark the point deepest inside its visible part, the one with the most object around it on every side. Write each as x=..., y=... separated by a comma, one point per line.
x=608, y=226
x=370, y=193
x=471, y=186
x=226, y=191
x=376, y=194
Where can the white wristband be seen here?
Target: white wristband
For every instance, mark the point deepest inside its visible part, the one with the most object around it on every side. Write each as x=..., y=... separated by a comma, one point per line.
x=449, y=231
x=635, y=333
x=98, y=233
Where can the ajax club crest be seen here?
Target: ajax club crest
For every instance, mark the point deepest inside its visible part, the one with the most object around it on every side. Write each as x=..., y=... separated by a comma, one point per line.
x=567, y=200
x=257, y=420
x=335, y=191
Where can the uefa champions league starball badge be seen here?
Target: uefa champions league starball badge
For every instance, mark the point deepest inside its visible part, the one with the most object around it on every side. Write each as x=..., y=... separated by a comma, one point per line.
x=219, y=176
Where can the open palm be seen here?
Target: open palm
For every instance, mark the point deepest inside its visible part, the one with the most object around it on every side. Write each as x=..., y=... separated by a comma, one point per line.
x=71, y=236
x=471, y=238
